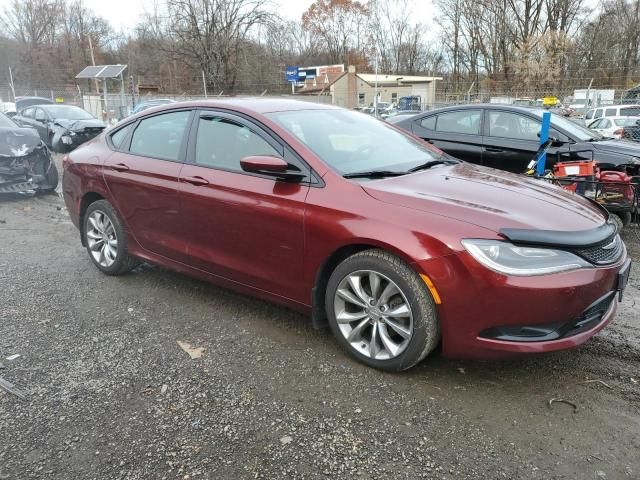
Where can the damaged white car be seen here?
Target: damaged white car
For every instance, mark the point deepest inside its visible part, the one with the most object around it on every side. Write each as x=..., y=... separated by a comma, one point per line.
x=25, y=161
x=61, y=127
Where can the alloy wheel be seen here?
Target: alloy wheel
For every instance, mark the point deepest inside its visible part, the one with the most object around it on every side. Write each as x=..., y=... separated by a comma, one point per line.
x=101, y=238
x=373, y=314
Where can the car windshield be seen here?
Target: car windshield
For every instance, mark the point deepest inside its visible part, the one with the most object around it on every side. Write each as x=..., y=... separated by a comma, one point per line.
x=6, y=122
x=67, y=112
x=577, y=132
x=351, y=142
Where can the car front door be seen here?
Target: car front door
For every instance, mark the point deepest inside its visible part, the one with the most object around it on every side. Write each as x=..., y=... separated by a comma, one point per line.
x=511, y=140
x=455, y=132
x=244, y=227
x=142, y=176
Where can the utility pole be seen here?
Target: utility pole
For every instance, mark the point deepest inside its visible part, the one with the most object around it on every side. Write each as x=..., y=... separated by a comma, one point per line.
x=93, y=62
x=586, y=101
x=13, y=89
x=204, y=84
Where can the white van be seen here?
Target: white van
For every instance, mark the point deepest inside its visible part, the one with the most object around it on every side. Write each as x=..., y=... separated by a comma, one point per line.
x=612, y=111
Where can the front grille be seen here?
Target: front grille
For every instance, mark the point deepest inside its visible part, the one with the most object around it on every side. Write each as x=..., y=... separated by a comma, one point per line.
x=604, y=253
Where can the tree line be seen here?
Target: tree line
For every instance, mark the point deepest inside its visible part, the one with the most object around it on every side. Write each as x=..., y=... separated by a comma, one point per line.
x=243, y=46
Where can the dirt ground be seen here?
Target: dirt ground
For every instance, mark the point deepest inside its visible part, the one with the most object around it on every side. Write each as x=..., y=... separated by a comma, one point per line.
x=109, y=394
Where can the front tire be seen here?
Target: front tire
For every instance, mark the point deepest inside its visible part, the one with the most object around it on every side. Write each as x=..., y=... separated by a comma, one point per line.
x=105, y=239
x=381, y=312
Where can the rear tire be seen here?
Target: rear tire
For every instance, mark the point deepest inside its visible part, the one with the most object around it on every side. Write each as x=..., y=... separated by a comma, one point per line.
x=106, y=240
x=381, y=312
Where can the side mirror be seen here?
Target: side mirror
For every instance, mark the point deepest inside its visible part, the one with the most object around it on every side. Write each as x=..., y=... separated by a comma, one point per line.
x=555, y=140
x=267, y=165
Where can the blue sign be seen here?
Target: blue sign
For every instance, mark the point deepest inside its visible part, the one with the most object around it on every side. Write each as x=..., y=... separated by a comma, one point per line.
x=544, y=136
x=291, y=74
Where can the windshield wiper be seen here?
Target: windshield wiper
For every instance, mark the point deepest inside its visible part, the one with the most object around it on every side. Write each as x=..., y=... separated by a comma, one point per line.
x=432, y=163
x=374, y=174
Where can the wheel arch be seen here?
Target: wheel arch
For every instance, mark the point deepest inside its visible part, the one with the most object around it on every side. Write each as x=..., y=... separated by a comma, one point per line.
x=87, y=199
x=318, y=313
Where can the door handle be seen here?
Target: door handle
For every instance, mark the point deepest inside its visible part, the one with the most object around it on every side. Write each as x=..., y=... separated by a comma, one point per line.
x=197, y=181
x=494, y=150
x=120, y=167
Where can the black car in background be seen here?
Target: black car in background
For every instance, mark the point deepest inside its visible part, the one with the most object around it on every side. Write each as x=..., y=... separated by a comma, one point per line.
x=506, y=137
x=25, y=161
x=61, y=127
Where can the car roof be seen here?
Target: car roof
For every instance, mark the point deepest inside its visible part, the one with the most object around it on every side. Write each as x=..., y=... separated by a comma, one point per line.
x=491, y=106
x=57, y=106
x=251, y=105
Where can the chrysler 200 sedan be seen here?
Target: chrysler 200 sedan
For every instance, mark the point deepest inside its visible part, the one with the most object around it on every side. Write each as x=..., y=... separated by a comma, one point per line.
x=394, y=245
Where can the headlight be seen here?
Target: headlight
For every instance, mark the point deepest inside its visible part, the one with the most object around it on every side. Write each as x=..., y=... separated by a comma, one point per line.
x=510, y=259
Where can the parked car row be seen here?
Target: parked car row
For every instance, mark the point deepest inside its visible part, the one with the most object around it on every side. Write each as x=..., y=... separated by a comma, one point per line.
x=370, y=230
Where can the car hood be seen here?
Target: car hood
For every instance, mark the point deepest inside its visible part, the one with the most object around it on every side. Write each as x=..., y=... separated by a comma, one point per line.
x=619, y=147
x=78, y=125
x=18, y=142
x=489, y=198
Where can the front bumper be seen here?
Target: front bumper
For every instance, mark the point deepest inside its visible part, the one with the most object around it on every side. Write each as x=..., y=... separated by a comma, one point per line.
x=488, y=315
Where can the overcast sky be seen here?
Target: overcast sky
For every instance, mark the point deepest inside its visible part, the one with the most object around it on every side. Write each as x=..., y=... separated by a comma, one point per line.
x=124, y=14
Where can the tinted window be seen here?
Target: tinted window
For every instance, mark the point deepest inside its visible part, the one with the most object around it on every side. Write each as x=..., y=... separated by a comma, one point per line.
x=598, y=113
x=610, y=112
x=118, y=137
x=222, y=143
x=464, y=121
x=630, y=111
x=513, y=125
x=160, y=136
x=429, y=123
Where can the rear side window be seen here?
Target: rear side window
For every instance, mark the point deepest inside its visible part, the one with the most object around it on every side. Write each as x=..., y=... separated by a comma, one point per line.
x=429, y=123
x=610, y=112
x=160, y=136
x=605, y=123
x=589, y=115
x=630, y=112
x=117, y=138
x=598, y=113
x=29, y=112
x=513, y=125
x=222, y=143
x=464, y=121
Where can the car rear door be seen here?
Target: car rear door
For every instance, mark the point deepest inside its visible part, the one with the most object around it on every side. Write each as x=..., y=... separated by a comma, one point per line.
x=456, y=132
x=244, y=227
x=142, y=176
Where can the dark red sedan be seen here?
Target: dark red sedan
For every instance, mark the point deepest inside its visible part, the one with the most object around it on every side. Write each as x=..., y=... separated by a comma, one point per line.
x=393, y=244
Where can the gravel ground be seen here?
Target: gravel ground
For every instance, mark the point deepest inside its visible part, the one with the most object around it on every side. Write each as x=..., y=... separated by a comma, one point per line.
x=109, y=393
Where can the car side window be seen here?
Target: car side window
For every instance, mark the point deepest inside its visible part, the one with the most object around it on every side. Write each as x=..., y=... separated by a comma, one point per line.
x=606, y=123
x=429, y=122
x=598, y=113
x=610, y=112
x=589, y=115
x=513, y=125
x=118, y=137
x=463, y=121
x=222, y=143
x=596, y=124
x=160, y=136
x=41, y=116
x=630, y=111
x=28, y=112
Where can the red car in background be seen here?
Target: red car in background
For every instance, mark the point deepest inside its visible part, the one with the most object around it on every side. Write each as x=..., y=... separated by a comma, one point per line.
x=393, y=244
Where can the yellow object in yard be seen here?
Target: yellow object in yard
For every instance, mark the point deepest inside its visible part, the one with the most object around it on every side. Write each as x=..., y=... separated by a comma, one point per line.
x=59, y=100
x=550, y=101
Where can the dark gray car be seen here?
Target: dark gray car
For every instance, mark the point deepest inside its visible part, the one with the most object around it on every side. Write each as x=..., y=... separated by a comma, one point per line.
x=506, y=137
x=61, y=127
